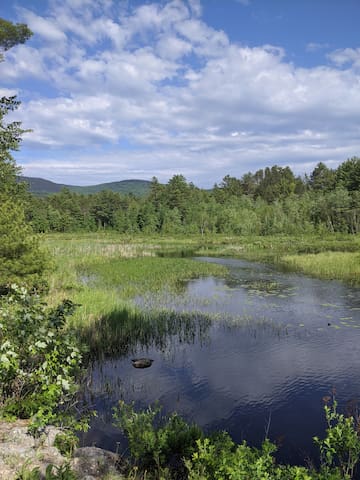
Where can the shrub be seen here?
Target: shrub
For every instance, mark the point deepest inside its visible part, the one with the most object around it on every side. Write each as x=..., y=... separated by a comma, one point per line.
x=341, y=446
x=39, y=360
x=155, y=441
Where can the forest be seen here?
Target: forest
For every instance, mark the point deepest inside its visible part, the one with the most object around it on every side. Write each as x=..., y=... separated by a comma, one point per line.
x=270, y=201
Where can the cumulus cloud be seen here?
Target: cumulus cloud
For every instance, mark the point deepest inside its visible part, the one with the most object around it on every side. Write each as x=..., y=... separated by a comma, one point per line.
x=346, y=56
x=157, y=91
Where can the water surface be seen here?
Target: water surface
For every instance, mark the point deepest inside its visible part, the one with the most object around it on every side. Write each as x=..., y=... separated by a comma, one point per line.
x=277, y=344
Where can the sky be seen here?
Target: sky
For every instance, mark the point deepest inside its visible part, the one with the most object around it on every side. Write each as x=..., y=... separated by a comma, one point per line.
x=130, y=89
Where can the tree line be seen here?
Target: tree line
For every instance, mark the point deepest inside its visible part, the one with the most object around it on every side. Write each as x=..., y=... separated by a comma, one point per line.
x=270, y=201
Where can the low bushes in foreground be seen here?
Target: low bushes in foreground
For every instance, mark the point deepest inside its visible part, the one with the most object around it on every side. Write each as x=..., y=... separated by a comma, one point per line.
x=167, y=448
x=39, y=359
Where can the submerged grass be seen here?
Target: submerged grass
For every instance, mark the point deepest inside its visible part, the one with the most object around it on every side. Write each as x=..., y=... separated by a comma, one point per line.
x=120, y=332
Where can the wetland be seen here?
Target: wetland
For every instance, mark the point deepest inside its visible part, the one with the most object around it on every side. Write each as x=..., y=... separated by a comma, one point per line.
x=248, y=348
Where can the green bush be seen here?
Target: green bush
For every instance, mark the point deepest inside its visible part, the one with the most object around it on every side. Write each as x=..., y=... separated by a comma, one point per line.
x=157, y=442
x=341, y=446
x=39, y=360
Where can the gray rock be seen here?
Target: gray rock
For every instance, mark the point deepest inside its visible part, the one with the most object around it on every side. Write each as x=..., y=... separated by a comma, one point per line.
x=18, y=449
x=94, y=462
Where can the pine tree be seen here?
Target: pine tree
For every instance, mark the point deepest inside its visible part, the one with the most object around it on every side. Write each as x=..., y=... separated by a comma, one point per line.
x=21, y=259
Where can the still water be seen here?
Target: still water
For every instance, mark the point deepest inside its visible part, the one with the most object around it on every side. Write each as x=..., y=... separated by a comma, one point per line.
x=276, y=344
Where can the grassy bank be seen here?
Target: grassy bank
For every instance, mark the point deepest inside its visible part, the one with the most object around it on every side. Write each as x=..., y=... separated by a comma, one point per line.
x=327, y=265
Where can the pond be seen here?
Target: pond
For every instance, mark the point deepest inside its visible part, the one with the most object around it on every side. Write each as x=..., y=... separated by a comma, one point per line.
x=275, y=345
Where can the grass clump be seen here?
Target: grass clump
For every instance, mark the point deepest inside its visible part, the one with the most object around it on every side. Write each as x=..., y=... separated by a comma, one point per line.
x=122, y=330
x=137, y=276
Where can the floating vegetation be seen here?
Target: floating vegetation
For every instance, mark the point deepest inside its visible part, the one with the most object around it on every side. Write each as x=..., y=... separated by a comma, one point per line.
x=265, y=288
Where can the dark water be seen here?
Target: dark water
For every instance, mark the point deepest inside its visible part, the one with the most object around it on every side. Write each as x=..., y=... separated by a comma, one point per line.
x=278, y=343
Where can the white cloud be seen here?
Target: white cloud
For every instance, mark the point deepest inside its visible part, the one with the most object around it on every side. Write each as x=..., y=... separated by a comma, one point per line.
x=45, y=27
x=176, y=90
x=195, y=7
x=27, y=62
x=346, y=56
x=172, y=47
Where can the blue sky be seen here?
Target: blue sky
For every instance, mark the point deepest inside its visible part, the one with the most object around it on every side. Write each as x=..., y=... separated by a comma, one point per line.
x=114, y=90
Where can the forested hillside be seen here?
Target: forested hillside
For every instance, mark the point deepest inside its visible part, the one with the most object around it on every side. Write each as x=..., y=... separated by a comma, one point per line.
x=42, y=187
x=269, y=201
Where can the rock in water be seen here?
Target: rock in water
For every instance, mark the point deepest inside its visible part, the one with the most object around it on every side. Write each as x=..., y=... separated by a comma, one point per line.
x=142, y=362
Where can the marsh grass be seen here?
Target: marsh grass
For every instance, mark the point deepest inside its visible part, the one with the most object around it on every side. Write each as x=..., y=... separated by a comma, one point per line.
x=103, y=272
x=120, y=332
x=137, y=276
x=328, y=265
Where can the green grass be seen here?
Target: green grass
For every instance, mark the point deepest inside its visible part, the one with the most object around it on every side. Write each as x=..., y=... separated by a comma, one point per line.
x=137, y=276
x=328, y=265
x=104, y=271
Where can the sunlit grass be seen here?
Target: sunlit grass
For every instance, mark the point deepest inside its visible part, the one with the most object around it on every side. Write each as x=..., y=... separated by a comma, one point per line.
x=329, y=265
x=103, y=271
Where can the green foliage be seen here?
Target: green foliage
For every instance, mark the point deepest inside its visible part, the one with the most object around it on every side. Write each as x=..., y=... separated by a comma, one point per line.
x=39, y=359
x=12, y=34
x=348, y=174
x=66, y=442
x=322, y=178
x=219, y=458
x=271, y=201
x=20, y=257
x=156, y=441
x=341, y=446
x=52, y=472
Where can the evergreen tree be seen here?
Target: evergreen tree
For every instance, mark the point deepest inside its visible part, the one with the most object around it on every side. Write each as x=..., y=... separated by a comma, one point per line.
x=348, y=174
x=322, y=178
x=21, y=259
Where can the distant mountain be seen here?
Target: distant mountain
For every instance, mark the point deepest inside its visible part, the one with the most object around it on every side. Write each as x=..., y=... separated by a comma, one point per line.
x=42, y=187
